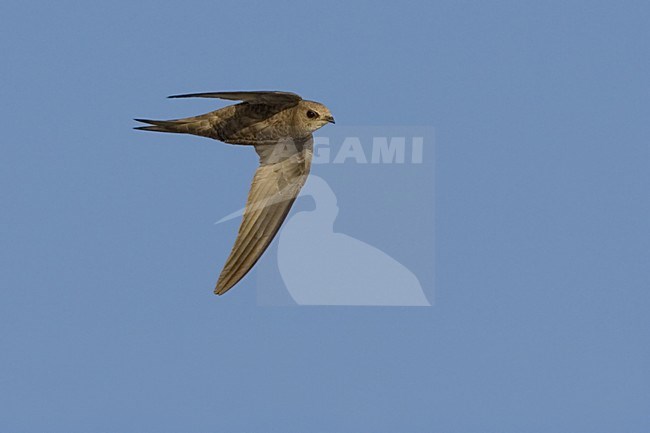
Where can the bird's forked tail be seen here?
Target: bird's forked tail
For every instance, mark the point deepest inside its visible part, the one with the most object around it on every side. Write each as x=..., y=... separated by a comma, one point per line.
x=199, y=125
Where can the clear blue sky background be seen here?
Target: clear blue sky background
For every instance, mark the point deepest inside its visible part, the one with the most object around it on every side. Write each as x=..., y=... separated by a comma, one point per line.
x=108, y=252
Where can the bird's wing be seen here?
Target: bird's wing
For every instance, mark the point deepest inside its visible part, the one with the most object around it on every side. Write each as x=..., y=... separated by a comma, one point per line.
x=259, y=97
x=282, y=172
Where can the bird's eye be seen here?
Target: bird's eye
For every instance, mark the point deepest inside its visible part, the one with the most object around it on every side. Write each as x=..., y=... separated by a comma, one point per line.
x=312, y=114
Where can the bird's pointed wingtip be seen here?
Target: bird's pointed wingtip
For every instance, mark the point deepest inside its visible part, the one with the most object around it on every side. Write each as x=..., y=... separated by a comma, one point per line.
x=223, y=286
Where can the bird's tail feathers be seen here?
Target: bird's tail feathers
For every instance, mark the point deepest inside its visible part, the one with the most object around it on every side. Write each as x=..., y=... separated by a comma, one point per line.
x=199, y=125
x=157, y=125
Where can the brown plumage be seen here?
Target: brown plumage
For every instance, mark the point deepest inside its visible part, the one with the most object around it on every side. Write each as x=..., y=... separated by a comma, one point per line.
x=279, y=125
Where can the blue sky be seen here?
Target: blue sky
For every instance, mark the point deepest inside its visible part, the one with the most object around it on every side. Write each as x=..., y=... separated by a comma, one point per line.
x=109, y=252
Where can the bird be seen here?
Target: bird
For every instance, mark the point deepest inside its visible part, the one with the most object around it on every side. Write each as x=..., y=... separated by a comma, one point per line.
x=279, y=125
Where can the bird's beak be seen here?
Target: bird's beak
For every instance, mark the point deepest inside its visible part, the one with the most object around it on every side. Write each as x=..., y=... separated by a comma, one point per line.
x=330, y=119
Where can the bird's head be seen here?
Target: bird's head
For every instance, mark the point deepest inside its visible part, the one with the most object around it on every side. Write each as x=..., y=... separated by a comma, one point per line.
x=311, y=116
